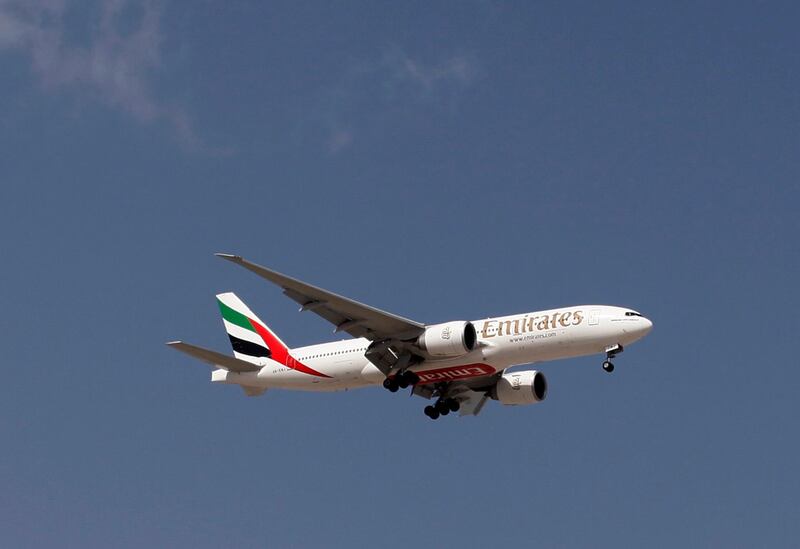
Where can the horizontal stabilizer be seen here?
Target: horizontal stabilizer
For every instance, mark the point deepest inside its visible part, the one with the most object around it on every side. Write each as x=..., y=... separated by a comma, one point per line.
x=214, y=358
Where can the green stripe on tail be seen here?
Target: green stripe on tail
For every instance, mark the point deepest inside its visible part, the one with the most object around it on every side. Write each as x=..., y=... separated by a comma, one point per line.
x=234, y=317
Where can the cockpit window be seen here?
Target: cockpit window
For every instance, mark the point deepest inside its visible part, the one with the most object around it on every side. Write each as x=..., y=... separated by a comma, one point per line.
x=632, y=313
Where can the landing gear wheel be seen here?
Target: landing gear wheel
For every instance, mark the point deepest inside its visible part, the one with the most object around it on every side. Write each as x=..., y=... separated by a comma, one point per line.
x=390, y=384
x=608, y=366
x=442, y=407
x=405, y=379
x=453, y=404
x=431, y=412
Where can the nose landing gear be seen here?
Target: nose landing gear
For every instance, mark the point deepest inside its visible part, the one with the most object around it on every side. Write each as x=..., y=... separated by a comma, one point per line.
x=611, y=352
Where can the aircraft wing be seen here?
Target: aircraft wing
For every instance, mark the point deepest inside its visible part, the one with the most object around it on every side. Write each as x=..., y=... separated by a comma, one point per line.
x=347, y=315
x=218, y=360
x=471, y=401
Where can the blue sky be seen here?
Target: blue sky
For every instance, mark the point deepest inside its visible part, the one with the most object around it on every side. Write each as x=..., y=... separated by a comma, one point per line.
x=438, y=161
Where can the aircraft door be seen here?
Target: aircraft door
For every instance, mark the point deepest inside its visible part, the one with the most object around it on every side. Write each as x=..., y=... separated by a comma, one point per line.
x=594, y=317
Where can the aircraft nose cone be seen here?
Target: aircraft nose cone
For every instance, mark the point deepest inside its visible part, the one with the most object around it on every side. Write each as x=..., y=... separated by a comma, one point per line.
x=637, y=327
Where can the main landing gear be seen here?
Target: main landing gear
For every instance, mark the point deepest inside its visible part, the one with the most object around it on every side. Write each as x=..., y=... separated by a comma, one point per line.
x=611, y=352
x=401, y=380
x=442, y=407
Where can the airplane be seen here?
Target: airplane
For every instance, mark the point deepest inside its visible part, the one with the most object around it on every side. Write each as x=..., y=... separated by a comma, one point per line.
x=458, y=365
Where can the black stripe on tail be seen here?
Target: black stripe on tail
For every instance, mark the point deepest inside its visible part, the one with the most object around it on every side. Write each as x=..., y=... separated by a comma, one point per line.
x=249, y=348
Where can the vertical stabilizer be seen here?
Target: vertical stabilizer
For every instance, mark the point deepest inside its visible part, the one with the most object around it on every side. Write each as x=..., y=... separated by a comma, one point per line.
x=250, y=338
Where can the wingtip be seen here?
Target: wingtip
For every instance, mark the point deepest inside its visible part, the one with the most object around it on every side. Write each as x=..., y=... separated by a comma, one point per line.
x=229, y=257
x=172, y=343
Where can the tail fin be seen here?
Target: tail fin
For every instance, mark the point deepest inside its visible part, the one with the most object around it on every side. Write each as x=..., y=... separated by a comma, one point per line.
x=250, y=338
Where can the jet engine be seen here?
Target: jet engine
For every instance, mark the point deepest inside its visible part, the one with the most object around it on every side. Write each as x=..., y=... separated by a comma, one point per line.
x=449, y=339
x=518, y=388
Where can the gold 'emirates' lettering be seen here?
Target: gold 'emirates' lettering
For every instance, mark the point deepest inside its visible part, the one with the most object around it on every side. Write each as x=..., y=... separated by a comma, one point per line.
x=517, y=326
x=543, y=324
x=508, y=327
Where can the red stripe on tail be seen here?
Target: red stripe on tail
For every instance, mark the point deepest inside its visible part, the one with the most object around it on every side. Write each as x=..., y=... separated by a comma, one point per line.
x=280, y=353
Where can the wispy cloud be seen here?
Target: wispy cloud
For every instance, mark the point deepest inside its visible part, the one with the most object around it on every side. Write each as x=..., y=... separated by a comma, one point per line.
x=115, y=63
x=395, y=79
x=425, y=79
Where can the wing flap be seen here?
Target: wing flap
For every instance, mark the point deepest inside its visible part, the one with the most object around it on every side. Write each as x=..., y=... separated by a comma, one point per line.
x=218, y=360
x=472, y=402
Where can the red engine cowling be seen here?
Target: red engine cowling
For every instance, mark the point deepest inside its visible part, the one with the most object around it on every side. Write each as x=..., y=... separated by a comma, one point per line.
x=519, y=388
x=449, y=339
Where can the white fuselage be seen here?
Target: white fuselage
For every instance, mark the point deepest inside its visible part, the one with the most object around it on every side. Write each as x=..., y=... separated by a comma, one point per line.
x=502, y=342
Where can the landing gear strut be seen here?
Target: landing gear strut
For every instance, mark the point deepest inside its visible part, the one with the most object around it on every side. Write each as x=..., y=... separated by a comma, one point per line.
x=611, y=352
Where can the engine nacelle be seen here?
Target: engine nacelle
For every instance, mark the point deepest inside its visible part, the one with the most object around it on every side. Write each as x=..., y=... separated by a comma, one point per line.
x=518, y=388
x=449, y=339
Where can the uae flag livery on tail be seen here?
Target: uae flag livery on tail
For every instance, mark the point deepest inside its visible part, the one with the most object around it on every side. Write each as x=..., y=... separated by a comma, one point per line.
x=252, y=340
x=243, y=326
